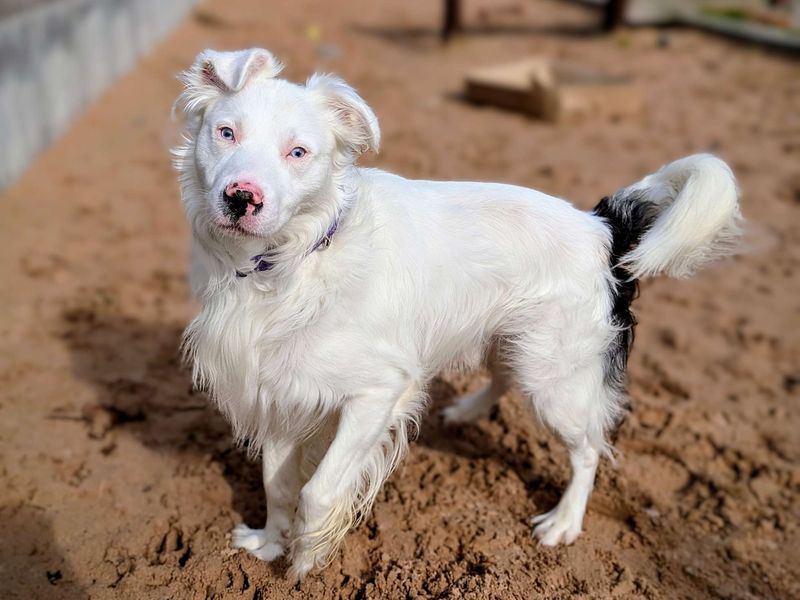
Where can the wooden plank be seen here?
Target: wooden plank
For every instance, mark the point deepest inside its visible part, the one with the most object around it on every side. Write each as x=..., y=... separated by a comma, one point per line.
x=553, y=91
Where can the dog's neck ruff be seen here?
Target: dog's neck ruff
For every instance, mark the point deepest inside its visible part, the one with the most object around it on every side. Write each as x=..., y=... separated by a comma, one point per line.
x=262, y=262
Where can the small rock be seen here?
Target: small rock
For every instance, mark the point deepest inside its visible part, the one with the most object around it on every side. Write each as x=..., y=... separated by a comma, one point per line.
x=54, y=576
x=764, y=488
x=109, y=444
x=173, y=541
x=99, y=419
x=738, y=549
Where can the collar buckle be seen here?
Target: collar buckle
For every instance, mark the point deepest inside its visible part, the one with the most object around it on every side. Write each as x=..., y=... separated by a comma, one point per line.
x=262, y=262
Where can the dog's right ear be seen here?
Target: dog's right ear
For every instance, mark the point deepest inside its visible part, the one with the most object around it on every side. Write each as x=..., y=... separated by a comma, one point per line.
x=214, y=73
x=354, y=125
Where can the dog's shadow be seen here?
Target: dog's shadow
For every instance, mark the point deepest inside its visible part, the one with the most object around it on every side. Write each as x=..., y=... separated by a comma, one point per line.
x=477, y=442
x=144, y=390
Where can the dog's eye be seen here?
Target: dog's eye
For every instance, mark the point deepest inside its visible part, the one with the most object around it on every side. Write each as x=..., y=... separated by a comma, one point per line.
x=298, y=152
x=226, y=133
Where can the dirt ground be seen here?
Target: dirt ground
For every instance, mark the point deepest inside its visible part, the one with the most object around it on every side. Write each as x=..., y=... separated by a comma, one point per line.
x=118, y=481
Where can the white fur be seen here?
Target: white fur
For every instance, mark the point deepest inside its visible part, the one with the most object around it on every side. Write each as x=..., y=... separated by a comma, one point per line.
x=321, y=363
x=699, y=205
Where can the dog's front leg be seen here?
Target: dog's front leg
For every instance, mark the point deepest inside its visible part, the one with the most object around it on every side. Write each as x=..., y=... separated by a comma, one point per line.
x=346, y=480
x=282, y=482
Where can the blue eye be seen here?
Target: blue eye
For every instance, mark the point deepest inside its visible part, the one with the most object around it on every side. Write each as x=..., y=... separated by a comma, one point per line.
x=297, y=152
x=226, y=133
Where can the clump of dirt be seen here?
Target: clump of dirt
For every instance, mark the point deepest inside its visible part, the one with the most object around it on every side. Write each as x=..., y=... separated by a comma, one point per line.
x=119, y=481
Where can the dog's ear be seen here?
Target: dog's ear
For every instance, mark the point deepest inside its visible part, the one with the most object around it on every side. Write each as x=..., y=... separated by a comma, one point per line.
x=354, y=124
x=215, y=73
x=230, y=71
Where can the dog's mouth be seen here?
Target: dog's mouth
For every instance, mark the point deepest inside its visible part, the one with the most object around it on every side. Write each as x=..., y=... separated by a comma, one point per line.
x=236, y=229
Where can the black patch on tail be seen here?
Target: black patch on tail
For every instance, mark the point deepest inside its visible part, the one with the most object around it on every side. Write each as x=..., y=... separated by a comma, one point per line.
x=628, y=217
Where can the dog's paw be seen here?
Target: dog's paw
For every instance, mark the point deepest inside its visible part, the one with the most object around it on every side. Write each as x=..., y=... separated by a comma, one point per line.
x=246, y=538
x=308, y=551
x=471, y=407
x=302, y=564
x=464, y=411
x=455, y=415
x=560, y=525
x=262, y=544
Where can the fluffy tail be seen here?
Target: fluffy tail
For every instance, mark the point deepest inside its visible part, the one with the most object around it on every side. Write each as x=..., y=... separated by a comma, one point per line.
x=674, y=221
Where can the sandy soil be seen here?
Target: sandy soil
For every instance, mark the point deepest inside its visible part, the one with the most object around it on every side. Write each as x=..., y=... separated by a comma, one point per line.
x=118, y=481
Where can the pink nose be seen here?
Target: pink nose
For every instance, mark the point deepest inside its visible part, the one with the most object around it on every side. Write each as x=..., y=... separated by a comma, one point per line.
x=245, y=191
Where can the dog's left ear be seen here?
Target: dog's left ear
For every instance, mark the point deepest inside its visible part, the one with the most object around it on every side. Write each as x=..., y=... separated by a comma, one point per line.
x=214, y=73
x=355, y=126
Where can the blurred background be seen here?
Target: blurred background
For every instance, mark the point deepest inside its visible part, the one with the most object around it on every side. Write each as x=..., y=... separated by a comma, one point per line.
x=117, y=480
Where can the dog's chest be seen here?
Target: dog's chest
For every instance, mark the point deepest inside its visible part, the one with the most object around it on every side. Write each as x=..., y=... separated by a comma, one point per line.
x=283, y=349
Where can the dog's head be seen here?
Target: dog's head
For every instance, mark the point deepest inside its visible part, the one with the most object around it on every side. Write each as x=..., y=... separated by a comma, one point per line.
x=260, y=149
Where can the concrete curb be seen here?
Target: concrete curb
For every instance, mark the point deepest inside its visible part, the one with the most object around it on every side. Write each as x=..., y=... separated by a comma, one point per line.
x=59, y=56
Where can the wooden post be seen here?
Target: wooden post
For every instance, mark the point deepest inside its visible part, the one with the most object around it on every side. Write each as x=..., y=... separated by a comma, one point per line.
x=614, y=14
x=452, y=18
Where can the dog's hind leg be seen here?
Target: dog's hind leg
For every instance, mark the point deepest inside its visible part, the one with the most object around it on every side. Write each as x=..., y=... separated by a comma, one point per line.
x=478, y=404
x=570, y=395
x=564, y=523
x=282, y=481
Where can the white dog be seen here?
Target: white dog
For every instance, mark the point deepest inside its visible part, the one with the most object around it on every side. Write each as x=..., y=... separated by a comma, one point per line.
x=331, y=295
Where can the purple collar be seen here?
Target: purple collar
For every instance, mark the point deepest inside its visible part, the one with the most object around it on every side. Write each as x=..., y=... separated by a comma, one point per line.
x=262, y=263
